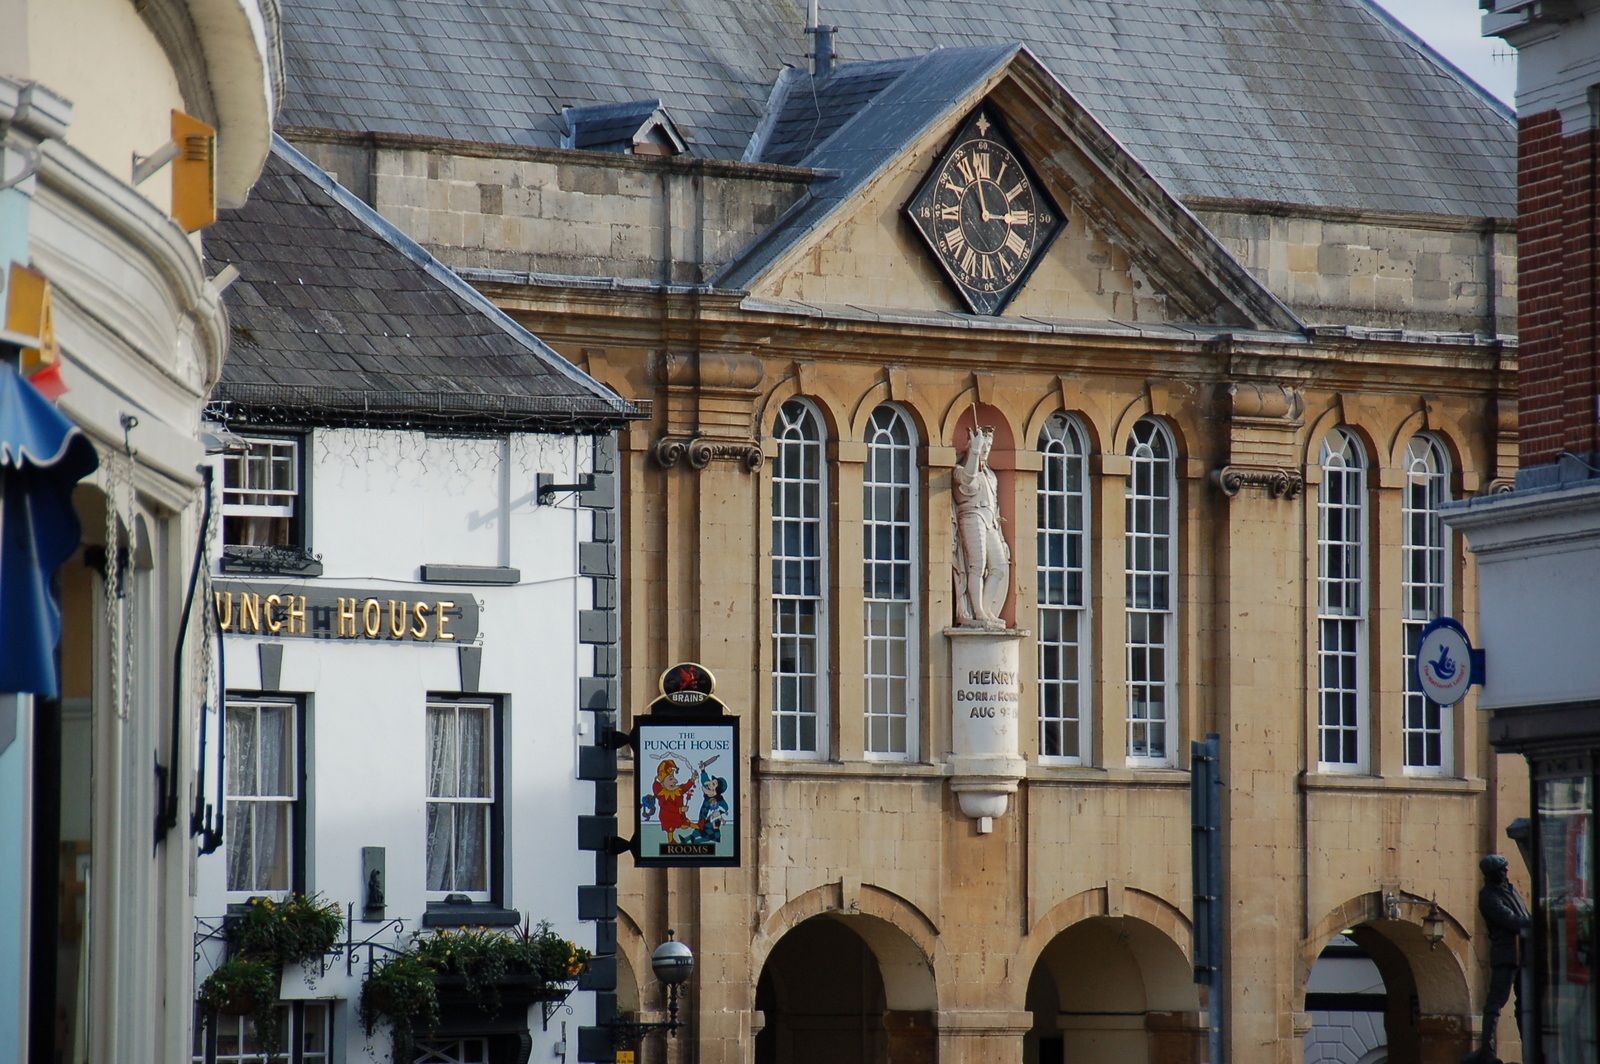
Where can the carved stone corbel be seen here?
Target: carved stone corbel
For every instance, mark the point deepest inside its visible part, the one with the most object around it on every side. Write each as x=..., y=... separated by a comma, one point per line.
x=700, y=451
x=1278, y=483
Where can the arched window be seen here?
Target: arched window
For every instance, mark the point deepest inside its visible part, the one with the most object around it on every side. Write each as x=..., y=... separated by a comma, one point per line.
x=1062, y=573
x=799, y=574
x=1149, y=541
x=889, y=585
x=1341, y=605
x=1424, y=590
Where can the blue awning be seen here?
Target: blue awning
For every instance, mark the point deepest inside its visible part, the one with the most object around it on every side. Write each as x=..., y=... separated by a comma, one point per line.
x=43, y=455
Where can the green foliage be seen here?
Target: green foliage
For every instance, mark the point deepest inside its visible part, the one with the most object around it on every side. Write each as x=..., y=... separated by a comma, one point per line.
x=242, y=985
x=403, y=990
x=299, y=928
x=265, y=937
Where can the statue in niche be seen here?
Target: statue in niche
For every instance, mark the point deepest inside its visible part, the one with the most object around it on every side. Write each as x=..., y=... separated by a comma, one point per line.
x=1506, y=916
x=982, y=557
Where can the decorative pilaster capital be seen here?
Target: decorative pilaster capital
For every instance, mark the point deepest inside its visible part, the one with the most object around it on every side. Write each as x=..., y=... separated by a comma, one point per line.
x=1283, y=484
x=700, y=451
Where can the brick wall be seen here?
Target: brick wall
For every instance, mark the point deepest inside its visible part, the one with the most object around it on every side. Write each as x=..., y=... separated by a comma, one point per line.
x=1558, y=237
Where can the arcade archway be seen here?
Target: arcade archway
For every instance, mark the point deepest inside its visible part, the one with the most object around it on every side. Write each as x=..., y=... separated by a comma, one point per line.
x=847, y=989
x=1425, y=1010
x=1113, y=989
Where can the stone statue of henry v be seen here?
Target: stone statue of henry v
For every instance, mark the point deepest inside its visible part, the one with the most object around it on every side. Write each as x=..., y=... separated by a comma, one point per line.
x=982, y=557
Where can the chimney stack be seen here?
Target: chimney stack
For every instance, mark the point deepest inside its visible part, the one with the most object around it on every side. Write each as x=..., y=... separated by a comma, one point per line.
x=821, y=54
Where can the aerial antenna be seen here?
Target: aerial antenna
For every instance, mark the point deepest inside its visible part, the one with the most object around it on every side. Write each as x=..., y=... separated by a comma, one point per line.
x=821, y=54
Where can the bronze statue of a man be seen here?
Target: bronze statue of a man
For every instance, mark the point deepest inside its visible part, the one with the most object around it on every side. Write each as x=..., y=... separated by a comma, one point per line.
x=1506, y=916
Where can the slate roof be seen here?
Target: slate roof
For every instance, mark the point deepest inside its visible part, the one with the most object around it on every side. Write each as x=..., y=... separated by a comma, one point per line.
x=1316, y=102
x=875, y=115
x=339, y=318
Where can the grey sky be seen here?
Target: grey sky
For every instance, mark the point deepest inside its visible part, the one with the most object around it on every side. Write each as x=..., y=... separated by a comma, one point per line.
x=1452, y=27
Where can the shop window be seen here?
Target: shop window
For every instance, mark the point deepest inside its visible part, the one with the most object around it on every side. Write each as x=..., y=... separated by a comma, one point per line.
x=1424, y=593
x=799, y=604
x=1062, y=573
x=1341, y=605
x=463, y=821
x=265, y=817
x=889, y=536
x=305, y=1037
x=1149, y=574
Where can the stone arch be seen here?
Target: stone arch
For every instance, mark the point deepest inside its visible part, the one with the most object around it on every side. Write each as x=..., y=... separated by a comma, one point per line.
x=1339, y=415
x=1090, y=420
x=1108, y=976
x=1449, y=434
x=957, y=417
x=1134, y=903
x=633, y=959
x=900, y=935
x=887, y=391
x=1429, y=1012
x=846, y=976
x=830, y=408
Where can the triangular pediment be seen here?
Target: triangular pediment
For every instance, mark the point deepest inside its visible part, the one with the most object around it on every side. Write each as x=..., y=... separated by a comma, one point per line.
x=881, y=133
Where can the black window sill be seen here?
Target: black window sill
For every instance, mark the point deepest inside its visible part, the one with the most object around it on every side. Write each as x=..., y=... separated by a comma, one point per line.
x=469, y=914
x=274, y=561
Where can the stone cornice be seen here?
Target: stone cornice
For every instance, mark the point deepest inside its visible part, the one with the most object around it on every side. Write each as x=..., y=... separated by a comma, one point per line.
x=1449, y=223
x=677, y=164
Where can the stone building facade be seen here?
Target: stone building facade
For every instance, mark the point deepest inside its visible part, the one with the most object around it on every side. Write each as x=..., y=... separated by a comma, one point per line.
x=1227, y=405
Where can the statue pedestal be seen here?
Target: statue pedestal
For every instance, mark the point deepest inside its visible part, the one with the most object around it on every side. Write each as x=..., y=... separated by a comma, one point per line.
x=986, y=761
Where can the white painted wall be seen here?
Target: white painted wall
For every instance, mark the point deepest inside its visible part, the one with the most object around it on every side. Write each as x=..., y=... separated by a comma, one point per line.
x=1538, y=555
x=382, y=504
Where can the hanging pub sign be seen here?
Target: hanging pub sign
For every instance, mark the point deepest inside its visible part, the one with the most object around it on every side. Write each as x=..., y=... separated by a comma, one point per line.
x=686, y=812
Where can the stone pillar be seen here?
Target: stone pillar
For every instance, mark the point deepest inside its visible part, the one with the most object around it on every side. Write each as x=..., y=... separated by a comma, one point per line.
x=981, y=1036
x=911, y=1036
x=1446, y=1039
x=1259, y=519
x=1176, y=1037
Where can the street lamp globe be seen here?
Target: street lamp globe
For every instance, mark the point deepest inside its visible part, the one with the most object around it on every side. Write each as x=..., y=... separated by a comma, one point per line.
x=673, y=962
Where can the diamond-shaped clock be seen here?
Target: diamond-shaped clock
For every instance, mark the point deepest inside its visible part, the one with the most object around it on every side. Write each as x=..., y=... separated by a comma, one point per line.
x=984, y=215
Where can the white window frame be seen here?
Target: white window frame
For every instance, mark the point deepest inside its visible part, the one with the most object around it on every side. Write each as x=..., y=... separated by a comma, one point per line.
x=880, y=676
x=1424, y=595
x=266, y=457
x=1343, y=689
x=1064, y=546
x=1145, y=539
x=800, y=440
x=485, y=802
x=281, y=804
x=291, y=1036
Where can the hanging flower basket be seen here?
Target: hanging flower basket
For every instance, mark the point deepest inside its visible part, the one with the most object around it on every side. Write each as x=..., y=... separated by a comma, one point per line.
x=487, y=969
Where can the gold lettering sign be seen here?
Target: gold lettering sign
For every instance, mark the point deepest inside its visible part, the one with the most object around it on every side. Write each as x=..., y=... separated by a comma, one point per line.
x=320, y=612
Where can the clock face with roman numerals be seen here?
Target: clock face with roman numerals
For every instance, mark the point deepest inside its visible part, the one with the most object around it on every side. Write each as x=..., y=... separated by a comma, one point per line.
x=984, y=215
